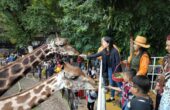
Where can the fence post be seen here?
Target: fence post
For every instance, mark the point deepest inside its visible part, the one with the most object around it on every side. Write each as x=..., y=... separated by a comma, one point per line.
x=101, y=105
x=153, y=72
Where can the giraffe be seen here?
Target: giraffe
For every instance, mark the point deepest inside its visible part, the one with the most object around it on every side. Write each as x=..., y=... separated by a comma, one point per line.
x=32, y=97
x=11, y=73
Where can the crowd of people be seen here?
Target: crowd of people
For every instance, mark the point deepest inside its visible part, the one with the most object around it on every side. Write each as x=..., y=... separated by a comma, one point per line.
x=136, y=85
x=133, y=90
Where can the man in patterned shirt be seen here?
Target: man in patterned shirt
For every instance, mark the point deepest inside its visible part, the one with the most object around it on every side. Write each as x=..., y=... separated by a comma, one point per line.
x=165, y=100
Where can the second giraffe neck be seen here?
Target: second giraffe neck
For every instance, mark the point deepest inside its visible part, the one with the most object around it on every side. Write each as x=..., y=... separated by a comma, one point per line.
x=32, y=97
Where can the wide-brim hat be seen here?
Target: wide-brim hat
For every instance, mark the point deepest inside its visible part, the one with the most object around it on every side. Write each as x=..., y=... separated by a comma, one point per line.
x=141, y=41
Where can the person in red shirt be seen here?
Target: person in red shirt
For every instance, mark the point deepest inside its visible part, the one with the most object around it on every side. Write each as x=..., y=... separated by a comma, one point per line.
x=79, y=61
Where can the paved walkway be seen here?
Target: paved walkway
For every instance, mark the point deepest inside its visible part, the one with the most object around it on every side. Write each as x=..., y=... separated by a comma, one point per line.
x=112, y=105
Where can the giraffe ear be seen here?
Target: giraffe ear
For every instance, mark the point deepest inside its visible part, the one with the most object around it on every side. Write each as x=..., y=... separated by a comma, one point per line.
x=52, y=43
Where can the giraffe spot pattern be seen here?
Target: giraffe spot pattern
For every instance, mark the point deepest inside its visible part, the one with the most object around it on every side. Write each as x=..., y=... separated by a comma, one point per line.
x=4, y=73
x=46, y=51
x=20, y=108
x=35, y=63
x=32, y=102
x=25, y=61
x=42, y=57
x=45, y=93
x=7, y=106
x=2, y=83
x=38, y=89
x=45, y=47
x=48, y=89
x=38, y=53
x=13, y=80
x=54, y=82
x=40, y=100
x=48, y=82
x=16, y=69
x=32, y=58
x=27, y=69
x=23, y=98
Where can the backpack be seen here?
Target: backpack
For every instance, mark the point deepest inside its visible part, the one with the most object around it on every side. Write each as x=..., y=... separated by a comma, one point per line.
x=93, y=97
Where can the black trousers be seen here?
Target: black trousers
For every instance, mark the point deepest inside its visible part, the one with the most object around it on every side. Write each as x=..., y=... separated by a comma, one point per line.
x=105, y=78
x=158, y=99
x=90, y=106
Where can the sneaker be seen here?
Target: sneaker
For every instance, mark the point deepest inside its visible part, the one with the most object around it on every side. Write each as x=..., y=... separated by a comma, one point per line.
x=110, y=99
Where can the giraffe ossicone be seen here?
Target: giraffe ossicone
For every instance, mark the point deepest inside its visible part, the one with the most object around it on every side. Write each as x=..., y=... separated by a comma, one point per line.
x=35, y=95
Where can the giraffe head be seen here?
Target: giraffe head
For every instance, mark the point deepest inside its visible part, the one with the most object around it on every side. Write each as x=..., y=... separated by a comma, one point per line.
x=61, y=46
x=74, y=78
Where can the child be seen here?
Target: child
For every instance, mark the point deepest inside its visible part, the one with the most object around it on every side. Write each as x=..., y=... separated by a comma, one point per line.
x=91, y=98
x=93, y=72
x=126, y=95
x=58, y=67
x=140, y=88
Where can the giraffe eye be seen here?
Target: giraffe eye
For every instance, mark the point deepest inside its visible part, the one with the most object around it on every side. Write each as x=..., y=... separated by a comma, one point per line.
x=62, y=45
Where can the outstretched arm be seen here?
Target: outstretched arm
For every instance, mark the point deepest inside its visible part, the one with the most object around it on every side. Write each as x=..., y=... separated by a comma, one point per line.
x=91, y=56
x=114, y=88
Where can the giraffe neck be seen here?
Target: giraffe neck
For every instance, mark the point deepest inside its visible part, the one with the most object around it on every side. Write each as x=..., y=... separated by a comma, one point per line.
x=34, y=96
x=11, y=73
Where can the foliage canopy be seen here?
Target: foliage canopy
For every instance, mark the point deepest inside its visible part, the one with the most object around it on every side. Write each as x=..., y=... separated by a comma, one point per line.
x=84, y=22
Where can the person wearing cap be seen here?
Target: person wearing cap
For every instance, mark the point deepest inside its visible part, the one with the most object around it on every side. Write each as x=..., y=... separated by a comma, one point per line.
x=163, y=85
x=139, y=60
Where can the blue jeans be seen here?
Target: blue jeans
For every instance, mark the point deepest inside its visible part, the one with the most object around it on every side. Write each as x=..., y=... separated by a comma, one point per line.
x=124, y=107
x=112, y=82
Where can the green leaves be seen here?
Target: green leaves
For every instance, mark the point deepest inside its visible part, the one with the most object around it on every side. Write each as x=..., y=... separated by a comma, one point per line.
x=84, y=22
x=22, y=20
x=81, y=23
x=13, y=5
x=37, y=19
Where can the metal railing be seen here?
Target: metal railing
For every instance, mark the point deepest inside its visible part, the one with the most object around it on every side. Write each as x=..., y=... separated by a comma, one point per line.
x=101, y=105
x=153, y=73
